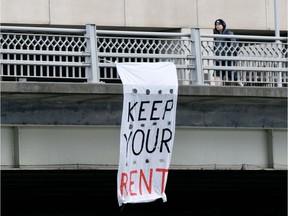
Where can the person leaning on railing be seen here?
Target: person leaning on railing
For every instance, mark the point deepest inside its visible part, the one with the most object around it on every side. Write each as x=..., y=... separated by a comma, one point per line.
x=222, y=47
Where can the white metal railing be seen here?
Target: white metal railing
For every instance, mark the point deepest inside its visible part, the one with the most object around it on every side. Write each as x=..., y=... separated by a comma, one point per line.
x=256, y=60
x=43, y=53
x=121, y=46
x=89, y=55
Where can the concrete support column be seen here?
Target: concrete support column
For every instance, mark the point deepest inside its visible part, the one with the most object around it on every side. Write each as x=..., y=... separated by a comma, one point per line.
x=16, y=153
x=270, y=158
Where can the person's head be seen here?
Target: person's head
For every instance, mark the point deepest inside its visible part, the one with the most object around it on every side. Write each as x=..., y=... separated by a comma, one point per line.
x=219, y=26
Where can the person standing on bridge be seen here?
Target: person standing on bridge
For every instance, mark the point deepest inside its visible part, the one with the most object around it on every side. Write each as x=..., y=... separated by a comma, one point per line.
x=224, y=47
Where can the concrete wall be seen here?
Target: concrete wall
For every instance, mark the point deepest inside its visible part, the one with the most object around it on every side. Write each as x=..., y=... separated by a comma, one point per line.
x=244, y=14
x=98, y=147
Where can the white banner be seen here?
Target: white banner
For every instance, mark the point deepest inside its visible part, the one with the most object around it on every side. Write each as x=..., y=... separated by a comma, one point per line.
x=147, y=130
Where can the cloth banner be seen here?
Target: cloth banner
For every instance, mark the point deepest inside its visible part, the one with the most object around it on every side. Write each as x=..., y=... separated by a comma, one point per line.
x=147, y=130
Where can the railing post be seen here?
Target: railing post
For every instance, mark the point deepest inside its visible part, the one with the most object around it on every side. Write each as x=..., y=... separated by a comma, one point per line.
x=279, y=64
x=92, y=72
x=197, y=75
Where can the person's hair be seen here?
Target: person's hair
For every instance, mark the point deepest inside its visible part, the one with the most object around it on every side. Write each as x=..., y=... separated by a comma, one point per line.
x=222, y=22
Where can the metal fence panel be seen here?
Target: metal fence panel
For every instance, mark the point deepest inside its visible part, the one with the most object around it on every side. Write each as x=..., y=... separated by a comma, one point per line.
x=256, y=61
x=89, y=55
x=42, y=56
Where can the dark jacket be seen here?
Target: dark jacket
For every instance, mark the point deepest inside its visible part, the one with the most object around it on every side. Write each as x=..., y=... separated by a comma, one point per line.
x=225, y=46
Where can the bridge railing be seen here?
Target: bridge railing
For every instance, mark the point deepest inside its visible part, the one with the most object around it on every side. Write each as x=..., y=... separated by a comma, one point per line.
x=31, y=53
x=254, y=60
x=89, y=55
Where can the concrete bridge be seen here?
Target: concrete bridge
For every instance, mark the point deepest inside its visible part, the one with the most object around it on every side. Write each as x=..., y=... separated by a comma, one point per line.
x=60, y=135
x=62, y=125
x=60, y=144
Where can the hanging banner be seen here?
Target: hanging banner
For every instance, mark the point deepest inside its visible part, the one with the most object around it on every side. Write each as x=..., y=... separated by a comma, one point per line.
x=147, y=130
